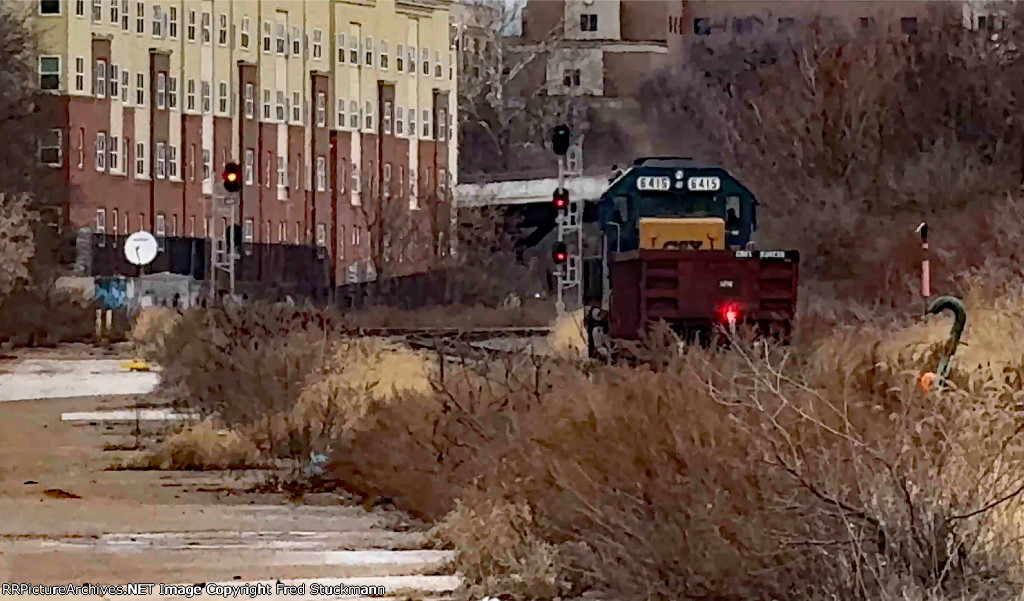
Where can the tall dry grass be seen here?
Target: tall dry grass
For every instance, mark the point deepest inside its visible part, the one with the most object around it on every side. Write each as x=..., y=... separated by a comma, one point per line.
x=746, y=471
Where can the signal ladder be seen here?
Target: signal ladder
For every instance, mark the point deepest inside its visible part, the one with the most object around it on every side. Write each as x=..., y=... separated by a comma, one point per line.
x=570, y=231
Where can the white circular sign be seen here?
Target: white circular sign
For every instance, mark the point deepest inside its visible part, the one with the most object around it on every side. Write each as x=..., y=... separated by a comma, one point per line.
x=140, y=248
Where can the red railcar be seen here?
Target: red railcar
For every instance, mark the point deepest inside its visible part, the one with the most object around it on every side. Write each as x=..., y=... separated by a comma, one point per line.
x=695, y=290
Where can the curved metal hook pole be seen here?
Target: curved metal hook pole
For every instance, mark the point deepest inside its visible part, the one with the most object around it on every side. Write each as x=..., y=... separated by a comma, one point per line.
x=956, y=306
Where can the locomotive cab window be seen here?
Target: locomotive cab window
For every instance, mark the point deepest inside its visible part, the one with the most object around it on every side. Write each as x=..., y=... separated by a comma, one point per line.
x=732, y=212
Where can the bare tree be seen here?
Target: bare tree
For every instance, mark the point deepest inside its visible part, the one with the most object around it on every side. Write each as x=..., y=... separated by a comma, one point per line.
x=27, y=246
x=852, y=137
x=17, y=245
x=504, y=108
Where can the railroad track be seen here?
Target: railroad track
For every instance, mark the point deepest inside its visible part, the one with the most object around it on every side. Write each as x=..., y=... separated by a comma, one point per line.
x=463, y=334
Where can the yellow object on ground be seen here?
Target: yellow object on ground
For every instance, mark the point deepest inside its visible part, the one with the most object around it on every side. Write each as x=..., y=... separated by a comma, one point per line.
x=136, y=365
x=698, y=233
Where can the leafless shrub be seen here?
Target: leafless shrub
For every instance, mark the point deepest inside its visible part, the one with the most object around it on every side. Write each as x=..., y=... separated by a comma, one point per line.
x=35, y=316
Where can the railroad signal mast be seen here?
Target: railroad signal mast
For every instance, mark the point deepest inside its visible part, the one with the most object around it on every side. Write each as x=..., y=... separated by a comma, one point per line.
x=225, y=239
x=568, y=250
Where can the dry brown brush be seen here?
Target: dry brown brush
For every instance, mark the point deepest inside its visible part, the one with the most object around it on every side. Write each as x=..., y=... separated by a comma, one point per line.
x=853, y=137
x=739, y=473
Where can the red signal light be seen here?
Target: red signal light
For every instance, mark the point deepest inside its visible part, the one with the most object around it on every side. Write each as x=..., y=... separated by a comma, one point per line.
x=560, y=199
x=560, y=254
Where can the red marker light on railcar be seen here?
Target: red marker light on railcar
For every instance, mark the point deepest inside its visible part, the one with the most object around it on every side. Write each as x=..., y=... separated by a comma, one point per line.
x=729, y=313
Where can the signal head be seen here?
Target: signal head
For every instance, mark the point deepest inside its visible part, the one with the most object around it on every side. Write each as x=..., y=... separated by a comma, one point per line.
x=560, y=199
x=232, y=177
x=560, y=140
x=560, y=254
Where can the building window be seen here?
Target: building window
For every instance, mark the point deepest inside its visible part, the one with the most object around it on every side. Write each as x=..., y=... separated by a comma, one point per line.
x=140, y=18
x=298, y=233
x=353, y=50
x=79, y=74
x=384, y=55
x=249, y=166
x=222, y=98
x=571, y=78
x=296, y=42
x=161, y=160
x=318, y=43
x=140, y=89
x=124, y=24
x=101, y=221
x=353, y=114
x=172, y=92
x=191, y=162
x=99, y=86
x=158, y=20
x=414, y=203
x=172, y=161
x=190, y=95
x=412, y=123
x=425, y=59
x=140, y=159
x=124, y=86
x=266, y=36
x=410, y=56
x=341, y=47
x=386, y=117
x=222, y=30
x=282, y=43
x=368, y=51
x=341, y=113
x=97, y=11
x=399, y=58
x=588, y=22
x=357, y=183
x=79, y=8
x=247, y=231
x=442, y=125
x=368, y=115
x=115, y=80
x=101, y=151
x=161, y=90
x=321, y=235
x=244, y=35
x=282, y=172
x=321, y=174
x=909, y=25
x=115, y=150
x=702, y=26
x=81, y=147
x=296, y=108
x=161, y=225
x=172, y=28
x=206, y=25
x=280, y=106
x=426, y=124
x=321, y=109
x=190, y=30
x=249, y=101
x=438, y=69
x=207, y=164
x=266, y=104
x=266, y=168
x=50, y=148
x=205, y=94
x=399, y=121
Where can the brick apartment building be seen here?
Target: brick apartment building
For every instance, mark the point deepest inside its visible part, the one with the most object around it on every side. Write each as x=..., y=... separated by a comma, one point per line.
x=323, y=103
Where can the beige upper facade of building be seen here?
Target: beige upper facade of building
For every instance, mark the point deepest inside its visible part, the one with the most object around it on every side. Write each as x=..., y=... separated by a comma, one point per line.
x=286, y=39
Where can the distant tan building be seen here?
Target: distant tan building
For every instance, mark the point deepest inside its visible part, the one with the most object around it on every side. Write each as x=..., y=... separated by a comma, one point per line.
x=715, y=19
x=606, y=51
